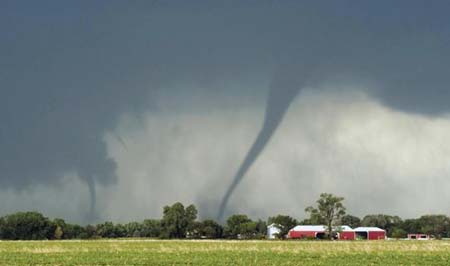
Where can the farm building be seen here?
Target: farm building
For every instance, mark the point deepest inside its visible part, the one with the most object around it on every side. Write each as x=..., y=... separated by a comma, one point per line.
x=370, y=233
x=418, y=237
x=272, y=231
x=346, y=233
x=307, y=231
x=318, y=232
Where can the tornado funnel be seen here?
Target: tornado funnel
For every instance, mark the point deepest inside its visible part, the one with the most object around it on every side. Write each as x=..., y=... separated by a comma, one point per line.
x=283, y=90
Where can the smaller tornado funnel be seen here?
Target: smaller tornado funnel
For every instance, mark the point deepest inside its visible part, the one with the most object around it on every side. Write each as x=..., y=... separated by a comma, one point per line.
x=283, y=90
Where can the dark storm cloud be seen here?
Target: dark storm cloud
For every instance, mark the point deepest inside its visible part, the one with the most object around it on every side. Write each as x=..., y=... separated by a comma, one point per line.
x=62, y=87
x=69, y=70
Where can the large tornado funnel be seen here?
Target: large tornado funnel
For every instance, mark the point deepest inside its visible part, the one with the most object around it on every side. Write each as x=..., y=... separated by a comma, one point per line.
x=283, y=90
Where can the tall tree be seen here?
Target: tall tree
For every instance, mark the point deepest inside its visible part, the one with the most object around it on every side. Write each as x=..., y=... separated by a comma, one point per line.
x=176, y=220
x=190, y=216
x=329, y=209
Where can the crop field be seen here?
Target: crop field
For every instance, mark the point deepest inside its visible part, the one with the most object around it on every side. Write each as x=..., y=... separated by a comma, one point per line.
x=158, y=252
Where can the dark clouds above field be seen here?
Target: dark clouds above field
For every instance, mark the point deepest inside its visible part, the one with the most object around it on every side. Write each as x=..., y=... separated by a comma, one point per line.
x=159, y=101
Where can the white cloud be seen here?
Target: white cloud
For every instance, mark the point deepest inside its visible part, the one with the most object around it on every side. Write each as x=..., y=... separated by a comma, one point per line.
x=343, y=142
x=339, y=141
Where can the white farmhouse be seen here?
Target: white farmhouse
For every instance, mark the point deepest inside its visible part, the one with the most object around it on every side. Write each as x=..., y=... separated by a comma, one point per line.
x=272, y=231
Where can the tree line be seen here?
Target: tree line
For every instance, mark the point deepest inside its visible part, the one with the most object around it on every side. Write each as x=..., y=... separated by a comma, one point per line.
x=180, y=222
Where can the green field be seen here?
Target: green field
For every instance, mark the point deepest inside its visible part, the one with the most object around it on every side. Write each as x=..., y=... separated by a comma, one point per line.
x=156, y=252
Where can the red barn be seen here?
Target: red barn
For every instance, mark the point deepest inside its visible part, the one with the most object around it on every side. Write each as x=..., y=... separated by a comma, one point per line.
x=307, y=231
x=344, y=232
x=370, y=233
x=318, y=232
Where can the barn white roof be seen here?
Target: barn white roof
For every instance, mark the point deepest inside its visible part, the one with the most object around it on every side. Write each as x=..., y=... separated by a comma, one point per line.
x=315, y=228
x=344, y=228
x=320, y=228
x=366, y=229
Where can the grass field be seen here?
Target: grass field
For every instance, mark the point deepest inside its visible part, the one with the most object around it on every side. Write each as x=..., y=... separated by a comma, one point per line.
x=156, y=252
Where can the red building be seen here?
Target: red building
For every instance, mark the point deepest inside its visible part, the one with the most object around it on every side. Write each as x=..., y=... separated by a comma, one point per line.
x=370, y=233
x=341, y=232
x=346, y=233
x=307, y=231
x=318, y=232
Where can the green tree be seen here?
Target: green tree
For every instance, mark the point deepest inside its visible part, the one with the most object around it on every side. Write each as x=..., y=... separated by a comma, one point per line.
x=261, y=229
x=240, y=226
x=383, y=221
x=194, y=230
x=190, y=214
x=106, y=230
x=284, y=223
x=398, y=233
x=411, y=226
x=74, y=231
x=111, y=230
x=329, y=210
x=206, y=229
x=89, y=232
x=133, y=229
x=248, y=230
x=2, y=227
x=151, y=228
x=436, y=225
x=120, y=230
x=177, y=220
x=211, y=229
x=351, y=221
x=27, y=226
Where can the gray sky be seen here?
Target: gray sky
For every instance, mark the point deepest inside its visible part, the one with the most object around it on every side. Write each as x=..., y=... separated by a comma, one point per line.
x=159, y=102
